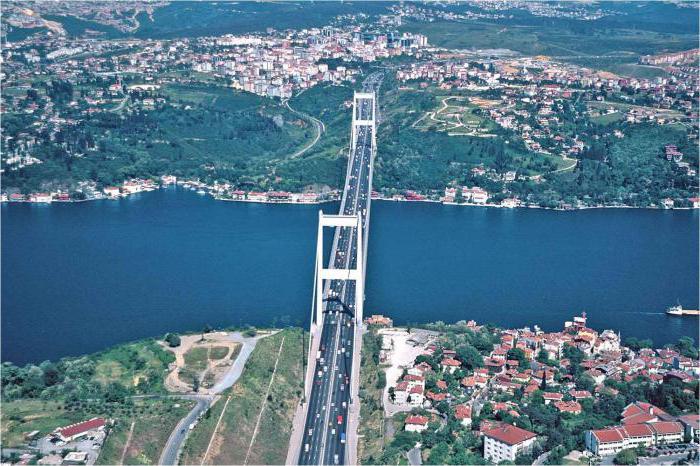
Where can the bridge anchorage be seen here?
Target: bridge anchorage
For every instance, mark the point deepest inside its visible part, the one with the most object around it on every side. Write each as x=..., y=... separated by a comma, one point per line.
x=326, y=422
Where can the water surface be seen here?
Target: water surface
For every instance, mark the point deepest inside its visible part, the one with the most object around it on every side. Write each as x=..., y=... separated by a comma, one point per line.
x=77, y=278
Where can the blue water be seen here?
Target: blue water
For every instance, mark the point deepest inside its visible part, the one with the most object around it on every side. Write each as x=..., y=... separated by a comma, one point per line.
x=77, y=278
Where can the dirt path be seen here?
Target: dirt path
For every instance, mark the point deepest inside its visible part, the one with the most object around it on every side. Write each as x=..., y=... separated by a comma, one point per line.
x=217, y=367
x=128, y=441
x=216, y=429
x=267, y=393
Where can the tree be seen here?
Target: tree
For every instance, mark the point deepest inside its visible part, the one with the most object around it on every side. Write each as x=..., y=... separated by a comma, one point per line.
x=439, y=453
x=381, y=380
x=172, y=339
x=585, y=382
x=404, y=441
x=195, y=383
x=626, y=456
x=518, y=355
x=470, y=356
x=686, y=346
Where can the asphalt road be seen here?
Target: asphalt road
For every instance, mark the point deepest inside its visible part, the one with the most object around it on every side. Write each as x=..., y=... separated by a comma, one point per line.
x=414, y=456
x=325, y=430
x=178, y=436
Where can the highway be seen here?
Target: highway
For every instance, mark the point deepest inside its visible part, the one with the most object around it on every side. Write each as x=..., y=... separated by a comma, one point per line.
x=325, y=433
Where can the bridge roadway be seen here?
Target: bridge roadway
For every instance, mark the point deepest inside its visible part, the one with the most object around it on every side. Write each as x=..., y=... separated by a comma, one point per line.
x=325, y=435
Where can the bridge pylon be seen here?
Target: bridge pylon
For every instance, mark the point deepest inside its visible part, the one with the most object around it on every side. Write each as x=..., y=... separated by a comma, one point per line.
x=355, y=273
x=362, y=120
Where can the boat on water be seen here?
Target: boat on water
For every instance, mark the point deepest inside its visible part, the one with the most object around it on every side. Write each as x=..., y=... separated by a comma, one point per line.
x=201, y=192
x=678, y=310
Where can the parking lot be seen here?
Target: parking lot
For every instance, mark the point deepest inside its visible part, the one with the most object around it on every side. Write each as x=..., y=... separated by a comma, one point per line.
x=677, y=448
x=90, y=444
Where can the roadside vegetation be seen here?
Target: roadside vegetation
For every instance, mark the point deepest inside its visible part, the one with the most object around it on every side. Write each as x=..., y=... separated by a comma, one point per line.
x=372, y=382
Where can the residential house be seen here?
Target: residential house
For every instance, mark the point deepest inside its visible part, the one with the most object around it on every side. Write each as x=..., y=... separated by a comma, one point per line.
x=416, y=423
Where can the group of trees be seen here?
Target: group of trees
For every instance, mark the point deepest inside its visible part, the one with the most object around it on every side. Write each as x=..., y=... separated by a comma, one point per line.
x=78, y=378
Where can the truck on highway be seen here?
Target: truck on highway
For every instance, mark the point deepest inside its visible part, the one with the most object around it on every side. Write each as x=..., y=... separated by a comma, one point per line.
x=342, y=437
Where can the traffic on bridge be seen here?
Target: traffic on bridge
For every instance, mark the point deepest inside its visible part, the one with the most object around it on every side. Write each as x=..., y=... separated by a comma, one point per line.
x=326, y=434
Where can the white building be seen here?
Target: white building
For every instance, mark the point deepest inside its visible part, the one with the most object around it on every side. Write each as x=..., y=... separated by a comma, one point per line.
x=505, y=442
x=610, y=441
x=416, y=423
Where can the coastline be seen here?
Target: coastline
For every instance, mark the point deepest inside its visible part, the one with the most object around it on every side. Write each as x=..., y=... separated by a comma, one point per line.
x=333, y=198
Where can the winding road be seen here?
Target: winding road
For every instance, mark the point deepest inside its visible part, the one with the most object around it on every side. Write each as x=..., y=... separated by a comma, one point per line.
x=320, y=128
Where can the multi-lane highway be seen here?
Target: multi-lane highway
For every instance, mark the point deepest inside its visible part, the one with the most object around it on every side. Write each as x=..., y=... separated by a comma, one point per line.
x=325, y=436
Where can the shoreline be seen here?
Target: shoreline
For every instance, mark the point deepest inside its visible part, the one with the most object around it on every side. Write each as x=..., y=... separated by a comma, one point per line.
x=326, y=201
x=269, y=330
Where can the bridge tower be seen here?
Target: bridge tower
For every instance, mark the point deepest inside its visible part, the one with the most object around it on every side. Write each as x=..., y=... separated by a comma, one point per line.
x=355, y=274
x=363, y=120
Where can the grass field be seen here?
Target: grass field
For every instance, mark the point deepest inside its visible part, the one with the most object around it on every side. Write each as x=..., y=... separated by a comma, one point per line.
x=247, y=398
x=456, y=116
x=19, y=417
x=214, y=97
x=133, y=363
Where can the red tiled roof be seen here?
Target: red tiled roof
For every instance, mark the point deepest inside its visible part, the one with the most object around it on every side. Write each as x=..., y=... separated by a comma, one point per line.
x=641, y=407
x=94, y=423
x=580, y=394
x=608, y=435
x=640, y=418
x=691, y=419
x=417, y=420
x=552, y=396
x=463, y=412
x=450, y=362
x=436, y=396
x=509, y=434
x=638, y=430
x=667, y=427
x=568, y=406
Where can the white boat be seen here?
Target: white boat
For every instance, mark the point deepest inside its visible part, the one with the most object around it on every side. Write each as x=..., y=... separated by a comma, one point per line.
x=678, y=310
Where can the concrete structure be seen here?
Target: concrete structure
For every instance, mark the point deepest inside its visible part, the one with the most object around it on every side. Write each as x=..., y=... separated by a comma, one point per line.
x=505, y=442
